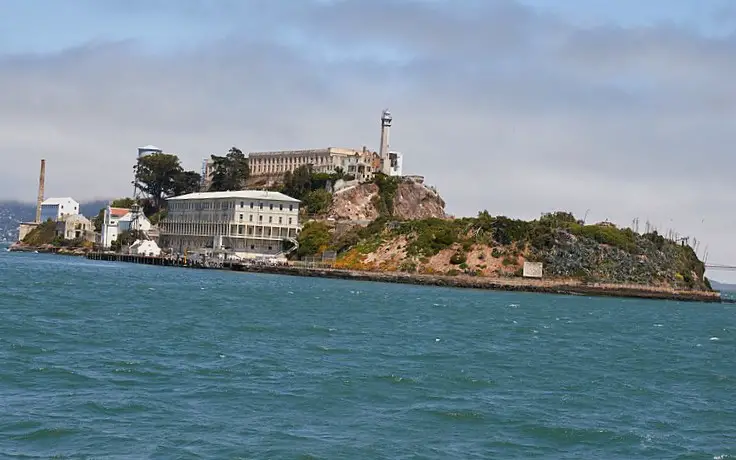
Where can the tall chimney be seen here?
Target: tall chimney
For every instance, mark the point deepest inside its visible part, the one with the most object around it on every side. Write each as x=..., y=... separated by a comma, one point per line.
x=41, y=184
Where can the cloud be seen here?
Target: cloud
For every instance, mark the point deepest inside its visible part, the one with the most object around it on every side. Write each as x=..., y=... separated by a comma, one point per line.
x=502, y=107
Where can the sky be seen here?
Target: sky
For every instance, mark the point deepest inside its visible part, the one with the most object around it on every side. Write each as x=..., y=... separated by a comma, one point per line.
x=619, y=109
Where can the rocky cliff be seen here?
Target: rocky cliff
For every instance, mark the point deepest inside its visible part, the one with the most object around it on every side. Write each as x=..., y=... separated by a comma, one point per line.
x=405, y=199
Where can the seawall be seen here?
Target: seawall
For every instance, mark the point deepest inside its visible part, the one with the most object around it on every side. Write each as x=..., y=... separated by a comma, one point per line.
x=551, y=286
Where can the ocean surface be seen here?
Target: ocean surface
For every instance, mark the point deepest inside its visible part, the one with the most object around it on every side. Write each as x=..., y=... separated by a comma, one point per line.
x=106, y=360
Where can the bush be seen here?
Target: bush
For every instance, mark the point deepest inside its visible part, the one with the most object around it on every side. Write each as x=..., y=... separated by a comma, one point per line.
x=313, y=239
x=458, y=258
x=317, y=201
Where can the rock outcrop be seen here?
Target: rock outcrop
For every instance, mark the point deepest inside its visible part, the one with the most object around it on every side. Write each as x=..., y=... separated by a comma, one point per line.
x=411, y=201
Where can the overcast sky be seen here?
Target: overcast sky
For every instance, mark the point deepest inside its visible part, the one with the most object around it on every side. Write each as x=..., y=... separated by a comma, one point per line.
x=518, y=107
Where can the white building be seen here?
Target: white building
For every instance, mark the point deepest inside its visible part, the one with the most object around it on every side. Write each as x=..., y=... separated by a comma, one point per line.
x=324, y=160
x=118, y=220
x=56, y=208
x=249, y=223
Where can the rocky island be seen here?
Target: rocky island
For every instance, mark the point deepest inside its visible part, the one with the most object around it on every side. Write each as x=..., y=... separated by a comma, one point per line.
x=397, y=227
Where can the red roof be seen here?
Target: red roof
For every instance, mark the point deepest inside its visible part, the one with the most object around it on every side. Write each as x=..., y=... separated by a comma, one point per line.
x=118, y=212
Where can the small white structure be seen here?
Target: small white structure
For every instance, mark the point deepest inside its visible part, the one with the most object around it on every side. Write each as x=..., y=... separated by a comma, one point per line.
x=56, y=208
x=532, y=270
x=118, y=220
x=145, y=248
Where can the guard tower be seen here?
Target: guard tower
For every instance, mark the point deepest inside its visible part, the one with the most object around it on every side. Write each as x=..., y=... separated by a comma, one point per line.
x=386, y=120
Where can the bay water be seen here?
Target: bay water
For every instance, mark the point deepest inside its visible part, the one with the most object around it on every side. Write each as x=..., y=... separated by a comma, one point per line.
x=111, y=360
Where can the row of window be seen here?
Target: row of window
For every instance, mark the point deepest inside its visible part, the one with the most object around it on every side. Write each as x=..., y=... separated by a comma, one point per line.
x=204, y=205
x=260, y=219
x=270, y=206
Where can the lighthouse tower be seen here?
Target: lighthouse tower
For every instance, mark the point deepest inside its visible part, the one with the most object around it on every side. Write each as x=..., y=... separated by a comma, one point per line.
x=384, y=152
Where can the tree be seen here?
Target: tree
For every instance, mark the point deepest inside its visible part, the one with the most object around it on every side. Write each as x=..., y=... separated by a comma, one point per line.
x=160, y=176
x=156, y=175
x=230, y=171
x=298, y=183
x=186, y=182
x=313, y=239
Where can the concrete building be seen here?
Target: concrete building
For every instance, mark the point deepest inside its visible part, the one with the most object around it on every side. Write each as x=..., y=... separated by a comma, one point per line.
x=75, y=226
x=118, y=220
x=325, y=160
x=246, y=223
x=56, y=208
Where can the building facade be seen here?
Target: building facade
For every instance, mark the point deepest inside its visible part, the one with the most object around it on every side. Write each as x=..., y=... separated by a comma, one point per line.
x=56, y=208
x=75, y=227
x=119, y=220
x=247, y=223
x=325, y=160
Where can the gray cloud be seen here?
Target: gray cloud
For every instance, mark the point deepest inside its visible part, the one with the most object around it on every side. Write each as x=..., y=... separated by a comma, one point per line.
x=501, y=107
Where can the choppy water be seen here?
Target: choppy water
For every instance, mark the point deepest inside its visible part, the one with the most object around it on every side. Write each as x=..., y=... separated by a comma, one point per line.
x=123, y=361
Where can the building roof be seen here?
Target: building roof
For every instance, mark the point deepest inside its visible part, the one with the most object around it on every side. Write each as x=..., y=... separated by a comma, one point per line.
x=63, y=200
x=240, y=194
x=118, y=212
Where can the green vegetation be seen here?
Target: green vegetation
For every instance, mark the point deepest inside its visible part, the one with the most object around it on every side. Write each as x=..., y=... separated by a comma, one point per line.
x=160, y=175
x=567, y=247
x=387, y=188
x=45, y=233
x=311, y=188
x=229, y=172
x=313, y=239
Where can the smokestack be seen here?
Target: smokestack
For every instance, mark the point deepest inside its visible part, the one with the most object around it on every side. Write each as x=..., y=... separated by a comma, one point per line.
x=41, y=184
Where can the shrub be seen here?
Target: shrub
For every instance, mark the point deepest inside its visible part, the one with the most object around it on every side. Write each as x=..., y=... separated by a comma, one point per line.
x=458, y=258
x=313, y=239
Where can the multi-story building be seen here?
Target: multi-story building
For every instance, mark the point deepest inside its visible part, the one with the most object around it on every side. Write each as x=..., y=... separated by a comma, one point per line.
x=56, y=208
x=248, y=223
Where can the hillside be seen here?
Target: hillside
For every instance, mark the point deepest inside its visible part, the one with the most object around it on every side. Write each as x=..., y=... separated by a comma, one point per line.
x=488, y=246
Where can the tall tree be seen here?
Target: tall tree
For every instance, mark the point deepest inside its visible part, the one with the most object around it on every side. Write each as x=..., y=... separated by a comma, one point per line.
x=156, y=175
x=160, y=176
x=186, y=182
x=230, y=172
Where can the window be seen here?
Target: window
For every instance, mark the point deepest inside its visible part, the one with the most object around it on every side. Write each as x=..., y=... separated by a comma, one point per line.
x=279, y=219
x=241, y=217
x=270, y=219
x=242, y=205
x=270, y=206
x=251, y=218
x=251, y=205
x=289, y=220
x=260, y=205
x=260, y=218
x=252, y=247
x=281, y=207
